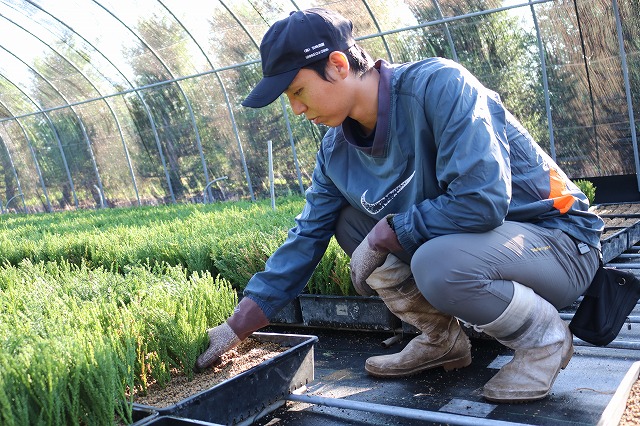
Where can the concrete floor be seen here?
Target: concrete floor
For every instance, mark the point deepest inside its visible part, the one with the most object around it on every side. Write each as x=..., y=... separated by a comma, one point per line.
x=579, y=397
x=581, y=394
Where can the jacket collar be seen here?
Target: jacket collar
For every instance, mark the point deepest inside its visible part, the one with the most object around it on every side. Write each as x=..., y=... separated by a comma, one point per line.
x=379, y=146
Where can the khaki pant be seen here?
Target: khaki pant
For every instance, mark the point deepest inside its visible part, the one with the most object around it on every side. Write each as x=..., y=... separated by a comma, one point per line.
x=470, y=276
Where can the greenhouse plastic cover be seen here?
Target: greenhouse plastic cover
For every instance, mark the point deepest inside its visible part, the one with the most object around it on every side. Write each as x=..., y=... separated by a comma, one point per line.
x=118, y=103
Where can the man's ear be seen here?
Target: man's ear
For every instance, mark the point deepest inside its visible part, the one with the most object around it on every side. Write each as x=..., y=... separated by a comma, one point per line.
x=339, y=63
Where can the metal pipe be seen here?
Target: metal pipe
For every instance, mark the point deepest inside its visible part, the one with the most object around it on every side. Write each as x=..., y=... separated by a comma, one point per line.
x=33, y=155
x=391, y=410
x=14, y=197
x=447, y=32
x=64, y=158
x=375, y=22
x=77, y=116
x=271, y=183
x=226, y=99
x=587, y=68
x=391, y=340
x=633, y=319
x=627, y=89
x=178, y=85
x=55, y=134
x=293, y=145
x=545, y=82
x=616, y=344
x=206, y=188
x=626, y=265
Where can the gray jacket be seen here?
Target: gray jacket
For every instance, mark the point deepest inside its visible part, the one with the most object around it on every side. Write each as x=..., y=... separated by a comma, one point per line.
x=446, y=157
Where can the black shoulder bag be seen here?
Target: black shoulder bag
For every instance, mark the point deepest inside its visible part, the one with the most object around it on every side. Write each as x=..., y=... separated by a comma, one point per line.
x=605, y=307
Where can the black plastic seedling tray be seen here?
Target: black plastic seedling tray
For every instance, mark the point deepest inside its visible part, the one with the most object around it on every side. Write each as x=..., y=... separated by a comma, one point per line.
x=177, y=421
x=347, y=312
x=249, y=395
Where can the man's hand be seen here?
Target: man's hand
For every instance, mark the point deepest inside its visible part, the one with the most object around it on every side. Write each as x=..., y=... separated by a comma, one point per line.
x=247, y=317
x=221, y=339
x=383, y=238
x=371, y=253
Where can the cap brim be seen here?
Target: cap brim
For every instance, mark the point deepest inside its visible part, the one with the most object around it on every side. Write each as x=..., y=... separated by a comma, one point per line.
x=269, y=89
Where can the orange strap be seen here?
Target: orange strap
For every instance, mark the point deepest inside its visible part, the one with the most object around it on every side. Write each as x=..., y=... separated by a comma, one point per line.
x=562, y=198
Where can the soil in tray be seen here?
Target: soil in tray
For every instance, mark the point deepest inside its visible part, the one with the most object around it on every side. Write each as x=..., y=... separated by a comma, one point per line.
x=246, y=355
x=631, y=415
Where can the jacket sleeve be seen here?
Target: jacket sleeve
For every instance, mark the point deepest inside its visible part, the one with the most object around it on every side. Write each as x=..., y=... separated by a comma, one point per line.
x=472, y=166
x=290, y=267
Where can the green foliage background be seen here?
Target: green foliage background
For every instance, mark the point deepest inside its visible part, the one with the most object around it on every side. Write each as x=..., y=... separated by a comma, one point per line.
x=96, y=305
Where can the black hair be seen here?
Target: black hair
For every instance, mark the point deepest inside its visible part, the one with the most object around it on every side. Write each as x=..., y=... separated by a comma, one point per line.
x=359, y=62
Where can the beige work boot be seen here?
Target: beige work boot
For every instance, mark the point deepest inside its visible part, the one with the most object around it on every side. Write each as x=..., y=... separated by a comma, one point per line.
x=543, y=346
x=442, y=342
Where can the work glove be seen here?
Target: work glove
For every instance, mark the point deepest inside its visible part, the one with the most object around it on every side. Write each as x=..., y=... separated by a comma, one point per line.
x=247, y=317
x=364, y=261
x=371, y=253
x=221, y=339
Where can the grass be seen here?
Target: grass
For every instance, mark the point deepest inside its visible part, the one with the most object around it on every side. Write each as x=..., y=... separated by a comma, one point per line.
x=76, y=343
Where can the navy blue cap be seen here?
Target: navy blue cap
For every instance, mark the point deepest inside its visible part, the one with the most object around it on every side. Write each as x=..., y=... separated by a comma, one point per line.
x=292, y=43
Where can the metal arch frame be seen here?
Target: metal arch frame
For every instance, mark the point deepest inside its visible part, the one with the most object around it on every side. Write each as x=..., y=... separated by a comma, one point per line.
x=627, y=88
x=226, y=99
x=545, y=82
x=242, y=156
x=55, y=134
x=138, y=93
x=15, y=171
x=113, y=114
x=290, y=133
x=186, y=98
x=33, y=153
x=62, y=154
x=377, y=25
x=80, y=122
x=530, y=3
x=447, y=32
x=38, y=170
x=282, y=104
x=252, y=62
x=452, y=19
x=587, y=69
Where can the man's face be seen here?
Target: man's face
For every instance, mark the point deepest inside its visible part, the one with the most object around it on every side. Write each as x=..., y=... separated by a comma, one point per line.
x=321, y=101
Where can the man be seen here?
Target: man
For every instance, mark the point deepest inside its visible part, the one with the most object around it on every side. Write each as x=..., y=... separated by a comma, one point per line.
x=447, y=207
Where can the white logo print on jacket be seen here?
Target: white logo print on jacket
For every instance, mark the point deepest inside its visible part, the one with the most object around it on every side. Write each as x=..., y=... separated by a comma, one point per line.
x=377, y=206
